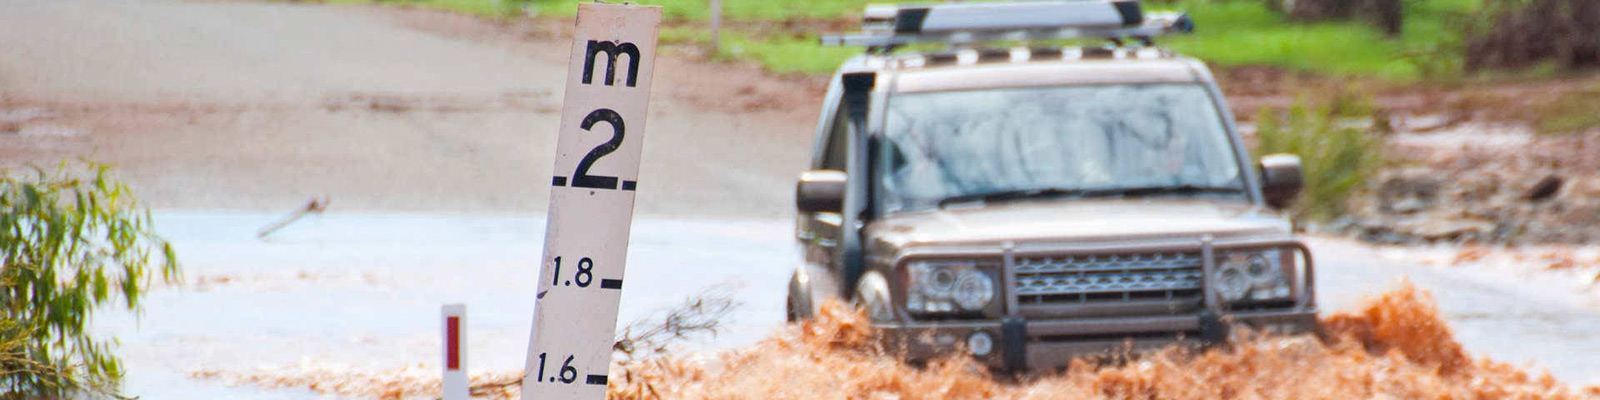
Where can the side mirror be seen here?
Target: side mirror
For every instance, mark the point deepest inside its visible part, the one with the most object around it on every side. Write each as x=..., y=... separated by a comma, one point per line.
x=1281, y=179
x=820, y=191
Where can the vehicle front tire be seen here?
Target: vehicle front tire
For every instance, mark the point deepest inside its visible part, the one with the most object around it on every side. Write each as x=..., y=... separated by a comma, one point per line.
x=808, y=288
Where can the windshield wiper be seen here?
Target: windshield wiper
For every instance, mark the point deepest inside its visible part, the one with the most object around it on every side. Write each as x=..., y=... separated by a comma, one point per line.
x=1155, y=190
x=1006, y=195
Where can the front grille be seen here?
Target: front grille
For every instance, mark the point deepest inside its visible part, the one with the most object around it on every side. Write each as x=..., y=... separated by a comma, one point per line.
x=1083, y=279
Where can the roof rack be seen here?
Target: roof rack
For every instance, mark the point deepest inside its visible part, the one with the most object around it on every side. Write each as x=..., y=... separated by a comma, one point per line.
x=885, y=27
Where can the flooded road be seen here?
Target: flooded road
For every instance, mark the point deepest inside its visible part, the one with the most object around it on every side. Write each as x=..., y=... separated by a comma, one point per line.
x=360, y=294
x=413, y=115
x=363, y=292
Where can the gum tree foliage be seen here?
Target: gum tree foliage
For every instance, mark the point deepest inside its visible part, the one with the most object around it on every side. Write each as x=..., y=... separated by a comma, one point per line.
x=70, y=245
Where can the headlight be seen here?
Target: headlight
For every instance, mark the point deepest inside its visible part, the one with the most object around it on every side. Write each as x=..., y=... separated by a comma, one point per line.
x=973, y=290
x=1254, y=276
x=946, y=287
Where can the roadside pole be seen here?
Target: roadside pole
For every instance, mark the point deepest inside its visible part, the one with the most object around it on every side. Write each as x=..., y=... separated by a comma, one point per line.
x=453, y=323
x=716, y=26
x=591, y=202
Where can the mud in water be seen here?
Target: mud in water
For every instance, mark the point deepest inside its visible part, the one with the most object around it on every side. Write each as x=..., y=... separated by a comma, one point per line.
x=1397, y=346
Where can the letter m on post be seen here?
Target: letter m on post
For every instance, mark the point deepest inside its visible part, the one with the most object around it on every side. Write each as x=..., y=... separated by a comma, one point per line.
x=611, y=49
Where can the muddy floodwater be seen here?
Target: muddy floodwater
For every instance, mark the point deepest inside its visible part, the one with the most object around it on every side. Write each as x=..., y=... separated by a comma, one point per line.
x=348, y=304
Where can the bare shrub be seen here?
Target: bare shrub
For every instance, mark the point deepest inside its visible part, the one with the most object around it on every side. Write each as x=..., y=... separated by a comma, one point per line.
x=1528, y=32
x=1388, y=15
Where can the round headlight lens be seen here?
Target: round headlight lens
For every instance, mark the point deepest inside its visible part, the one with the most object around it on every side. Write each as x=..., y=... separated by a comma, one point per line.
x=1232, y=284
x=1261, y=271
x=941, y=281
x=973, y=290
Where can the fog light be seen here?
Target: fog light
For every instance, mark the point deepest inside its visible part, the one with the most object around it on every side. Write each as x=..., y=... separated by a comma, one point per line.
x=980, y=344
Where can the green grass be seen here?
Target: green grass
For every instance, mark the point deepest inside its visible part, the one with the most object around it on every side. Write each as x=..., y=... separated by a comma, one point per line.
x=1229, y=33
x=747, y=10
x=485, y=8
x=786, y=54
x=1235, y=33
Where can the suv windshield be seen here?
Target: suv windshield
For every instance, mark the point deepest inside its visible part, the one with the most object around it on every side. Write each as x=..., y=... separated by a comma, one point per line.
x=1005, y=144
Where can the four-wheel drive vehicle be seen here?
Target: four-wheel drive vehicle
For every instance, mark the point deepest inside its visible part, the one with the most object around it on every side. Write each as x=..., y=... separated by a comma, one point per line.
x=1030, y=205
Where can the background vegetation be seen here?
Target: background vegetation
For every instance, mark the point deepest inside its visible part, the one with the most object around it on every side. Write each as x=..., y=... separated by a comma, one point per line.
x=782, y=35
x=69, y=245
x=1337, y=156
x=1437, y=40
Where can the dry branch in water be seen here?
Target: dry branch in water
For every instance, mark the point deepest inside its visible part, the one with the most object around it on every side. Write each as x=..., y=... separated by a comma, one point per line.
x=315, y=206
x=651, y=337
x=697, y=315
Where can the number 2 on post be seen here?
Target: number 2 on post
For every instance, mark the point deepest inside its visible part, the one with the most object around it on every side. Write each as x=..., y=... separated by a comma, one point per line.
x=581, y=177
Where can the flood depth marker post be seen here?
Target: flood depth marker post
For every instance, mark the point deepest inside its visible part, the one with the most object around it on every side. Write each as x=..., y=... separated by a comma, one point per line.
x=591, y=202
x=453, y=324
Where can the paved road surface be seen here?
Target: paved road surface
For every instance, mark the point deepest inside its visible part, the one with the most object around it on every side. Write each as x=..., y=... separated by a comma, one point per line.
x=225, y=114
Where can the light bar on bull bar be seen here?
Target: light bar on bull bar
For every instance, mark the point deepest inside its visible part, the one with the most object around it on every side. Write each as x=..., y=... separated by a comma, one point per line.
x=891, y=25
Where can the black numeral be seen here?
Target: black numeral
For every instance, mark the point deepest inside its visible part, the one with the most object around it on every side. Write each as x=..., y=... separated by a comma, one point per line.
x=541, y=368
x=555, y=278
x=584, y=277
x=567, y=374
x=581, y=177
x=585, y=272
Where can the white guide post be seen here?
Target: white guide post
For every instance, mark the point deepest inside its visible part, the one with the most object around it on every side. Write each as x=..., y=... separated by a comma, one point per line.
x=453, y=331
x=591, y=201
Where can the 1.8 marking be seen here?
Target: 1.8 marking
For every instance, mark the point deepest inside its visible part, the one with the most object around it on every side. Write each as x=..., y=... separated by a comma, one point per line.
x=584, y=277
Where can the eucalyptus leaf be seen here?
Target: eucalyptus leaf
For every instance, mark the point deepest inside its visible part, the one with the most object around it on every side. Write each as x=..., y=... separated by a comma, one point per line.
x=71, y=241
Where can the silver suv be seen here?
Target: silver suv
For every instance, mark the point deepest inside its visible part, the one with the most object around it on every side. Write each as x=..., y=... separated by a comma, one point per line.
x=1030, y=205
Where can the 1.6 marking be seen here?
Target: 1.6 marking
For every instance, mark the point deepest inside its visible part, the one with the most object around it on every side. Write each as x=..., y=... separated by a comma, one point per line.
x=567, y=374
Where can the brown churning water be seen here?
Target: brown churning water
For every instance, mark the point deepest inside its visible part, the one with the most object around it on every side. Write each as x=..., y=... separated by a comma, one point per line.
x=1395, y=347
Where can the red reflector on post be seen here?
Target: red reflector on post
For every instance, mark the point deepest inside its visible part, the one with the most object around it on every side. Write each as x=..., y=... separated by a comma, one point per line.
x=452, y=337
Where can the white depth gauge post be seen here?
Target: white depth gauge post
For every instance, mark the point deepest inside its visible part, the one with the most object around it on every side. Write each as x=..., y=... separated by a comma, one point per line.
x=454, y=384
x=591, y=202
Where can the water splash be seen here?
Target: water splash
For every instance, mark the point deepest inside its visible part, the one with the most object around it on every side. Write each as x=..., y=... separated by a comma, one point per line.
x=1396, y=346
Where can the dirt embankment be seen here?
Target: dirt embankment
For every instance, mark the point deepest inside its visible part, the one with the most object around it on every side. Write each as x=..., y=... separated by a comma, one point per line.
x=1465, y=164
x=1487, y=187
x=379, y=109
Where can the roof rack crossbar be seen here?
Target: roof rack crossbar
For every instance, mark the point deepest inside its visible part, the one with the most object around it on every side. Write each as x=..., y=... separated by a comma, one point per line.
x=970, y=23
